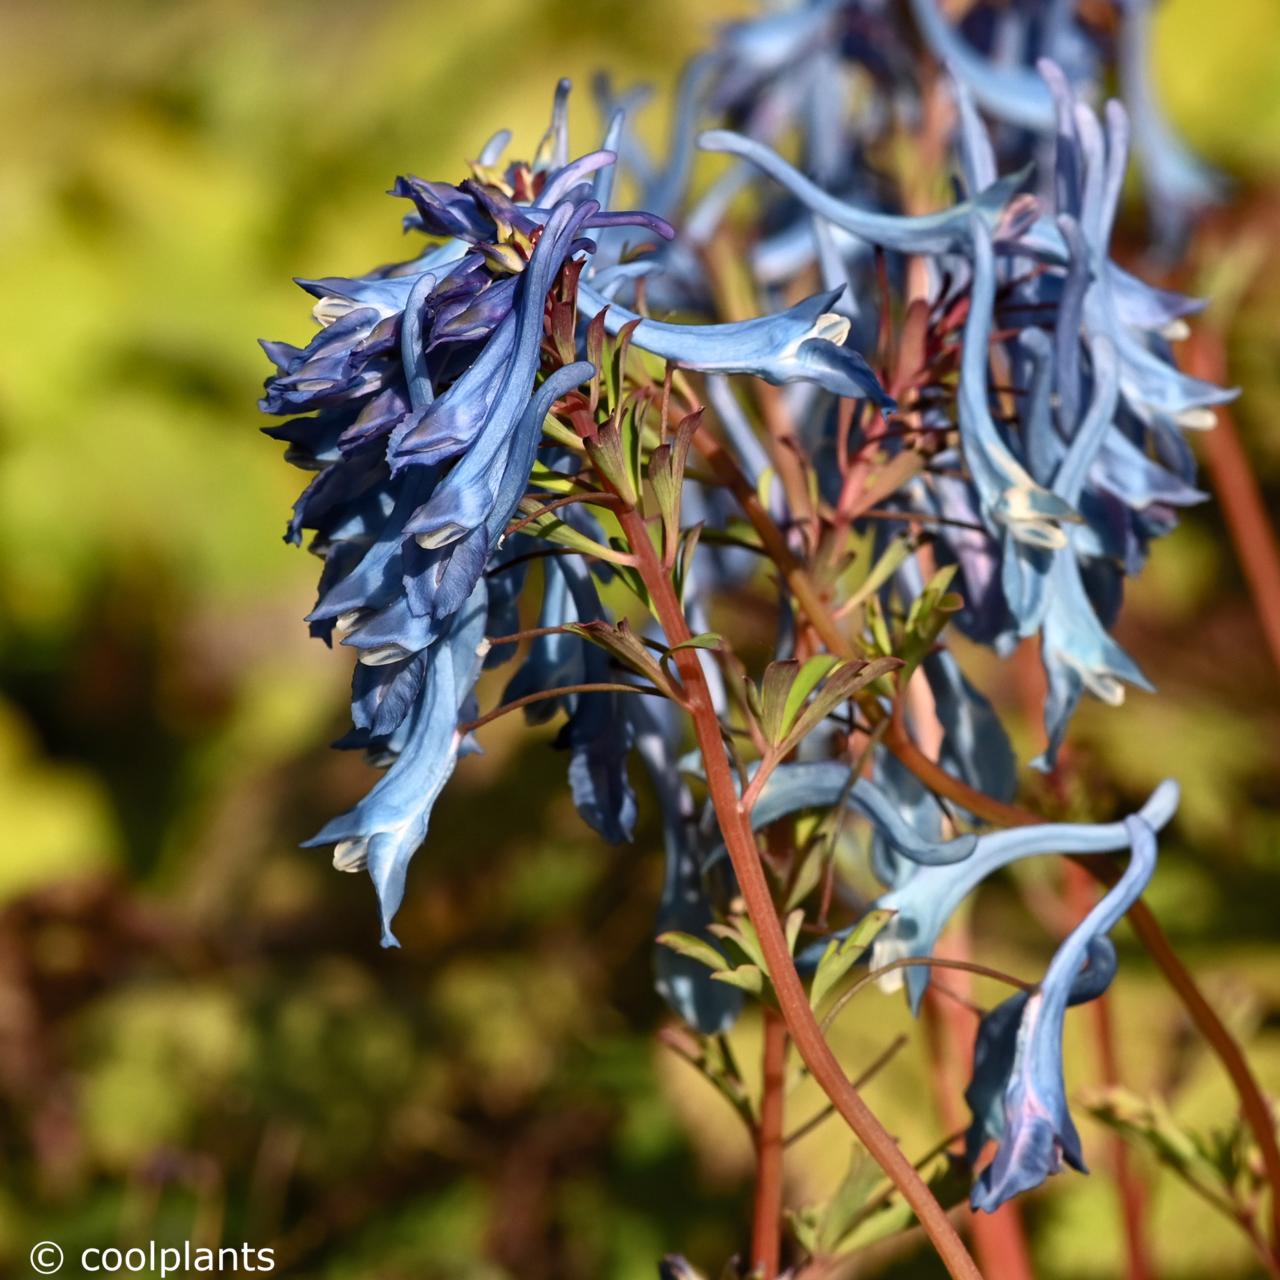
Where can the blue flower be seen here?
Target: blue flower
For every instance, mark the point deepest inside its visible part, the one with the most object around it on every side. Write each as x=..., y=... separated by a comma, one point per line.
x=923, y=904
x=1179, y=185
x=386, y=828
x=805, y=343
x=597, y=734
x=1036, y=1133
x=995, y=1051
x=932, y=233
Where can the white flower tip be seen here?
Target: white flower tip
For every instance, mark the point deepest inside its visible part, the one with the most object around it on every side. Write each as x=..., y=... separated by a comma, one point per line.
x=1201, y=418
x=1037, y=533
x=1177, y=330
x=887, y=948
x=831, y=327
x=329, y=309
x=440, y=537
x=351, y=855
x=1106, y=687
x=383, y=655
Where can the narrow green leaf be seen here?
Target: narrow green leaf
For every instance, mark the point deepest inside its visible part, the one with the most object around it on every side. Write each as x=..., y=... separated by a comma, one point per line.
x=890, y=560
x=552, y=481
x=791, y=927
x=742, y=934
x=810, y=673
x=775, y=689
x=842, y=1210
x=746, y=976
x=841, y=956
x=847, y=680
x=686, y=944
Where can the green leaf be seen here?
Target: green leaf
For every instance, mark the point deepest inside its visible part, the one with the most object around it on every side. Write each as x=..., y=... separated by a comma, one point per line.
x=703, y=640
x=747, y=976
x=808, y=874
x=624, y=645
x=555, y=430
x=879, y=628
x=846, y=680
x=791, y=928
x=841, y=955
x=841, y=1212
x=814, y=670
x=742, y=935
x=684, y=558
x=929, y=613
x=699, y=949
x=553, y=481
x=610, y=454
x=550, y=528
x=775, y=689
x=890, y=560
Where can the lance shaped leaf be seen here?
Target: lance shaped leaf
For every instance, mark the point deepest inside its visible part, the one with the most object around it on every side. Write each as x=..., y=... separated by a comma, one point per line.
x=929, y=614
x=685, y=944
x=627, y=648
x=844, y=682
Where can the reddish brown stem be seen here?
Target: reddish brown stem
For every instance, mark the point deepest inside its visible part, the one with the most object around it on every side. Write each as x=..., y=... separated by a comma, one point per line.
x=766, y=1222
x=793, y=1001
x=1239, y=498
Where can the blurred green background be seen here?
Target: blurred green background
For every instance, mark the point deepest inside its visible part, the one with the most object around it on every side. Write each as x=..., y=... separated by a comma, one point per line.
x=199, y=1037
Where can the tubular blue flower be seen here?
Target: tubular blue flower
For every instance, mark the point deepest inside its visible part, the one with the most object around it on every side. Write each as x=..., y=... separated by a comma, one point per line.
x=1037, y=1134
x=924, y=903
x=1013, y=94
x=995, y=1050
x=947, y=231
x=386, y=828
x=597, y=734
x=805, y=343
x=974, y=744
x=1031, y=513
x=1179, y=185
x=423, y=382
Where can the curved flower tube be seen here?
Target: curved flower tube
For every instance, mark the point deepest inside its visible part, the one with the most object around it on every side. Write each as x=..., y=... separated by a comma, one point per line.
x=1010, y=497
x=924, y=903
x=1038, y=1134
x=947, y=231
x=387, y=827
x=801, y=344
x=793, y=788
x=1179, y=185
x=1013, y=94
x=995, y=1050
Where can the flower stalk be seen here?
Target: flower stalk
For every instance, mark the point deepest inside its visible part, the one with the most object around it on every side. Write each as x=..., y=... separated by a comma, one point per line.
x=792, y=999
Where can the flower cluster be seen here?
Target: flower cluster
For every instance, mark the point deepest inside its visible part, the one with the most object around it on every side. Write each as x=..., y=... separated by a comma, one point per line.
x=1016, y=429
